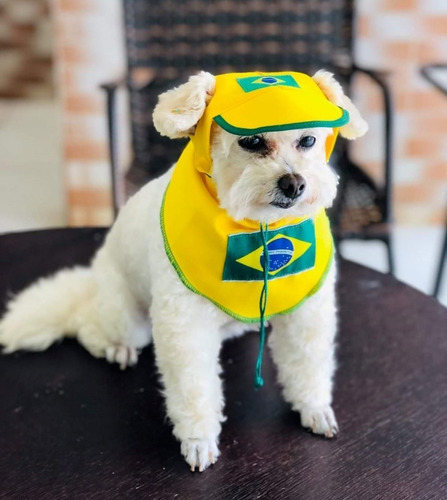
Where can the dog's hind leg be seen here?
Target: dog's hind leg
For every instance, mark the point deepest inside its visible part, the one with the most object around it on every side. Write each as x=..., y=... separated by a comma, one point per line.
x=116, y=326
x=115, y=334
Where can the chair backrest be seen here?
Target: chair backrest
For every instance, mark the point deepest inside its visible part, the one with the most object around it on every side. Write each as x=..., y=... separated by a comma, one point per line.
x=178, y=36
x=167, y=40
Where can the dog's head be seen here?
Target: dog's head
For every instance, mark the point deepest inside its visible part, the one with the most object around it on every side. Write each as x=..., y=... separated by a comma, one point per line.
x=266, y=176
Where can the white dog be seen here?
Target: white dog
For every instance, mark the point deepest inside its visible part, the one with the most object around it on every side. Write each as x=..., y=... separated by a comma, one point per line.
x=132, y=292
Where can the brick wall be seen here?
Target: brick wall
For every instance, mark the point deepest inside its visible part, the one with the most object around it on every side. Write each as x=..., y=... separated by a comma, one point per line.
x=400, y=36
x=25, y=46
x=89, y=51
x=397, y=35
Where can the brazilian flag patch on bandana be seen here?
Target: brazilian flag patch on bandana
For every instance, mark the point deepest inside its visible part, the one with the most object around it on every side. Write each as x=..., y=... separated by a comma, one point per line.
x=291, y=251
x=251, y=83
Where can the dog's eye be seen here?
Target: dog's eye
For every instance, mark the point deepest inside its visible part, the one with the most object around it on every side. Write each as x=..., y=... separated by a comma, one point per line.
x=306, y=142
x=253, y=143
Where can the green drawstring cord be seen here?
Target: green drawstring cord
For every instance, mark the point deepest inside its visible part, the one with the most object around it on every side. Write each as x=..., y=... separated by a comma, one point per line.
x=259, y=382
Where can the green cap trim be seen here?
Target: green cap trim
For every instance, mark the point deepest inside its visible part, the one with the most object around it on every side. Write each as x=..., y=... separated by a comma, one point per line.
x=339, y=122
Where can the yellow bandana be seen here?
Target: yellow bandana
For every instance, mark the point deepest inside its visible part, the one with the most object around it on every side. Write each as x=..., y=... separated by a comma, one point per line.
x=223, y=259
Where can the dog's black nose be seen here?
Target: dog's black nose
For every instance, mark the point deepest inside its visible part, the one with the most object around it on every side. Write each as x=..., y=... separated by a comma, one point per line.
x=292, y=185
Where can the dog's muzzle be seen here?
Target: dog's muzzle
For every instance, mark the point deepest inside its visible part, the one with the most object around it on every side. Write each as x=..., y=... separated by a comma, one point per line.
x=290, y=188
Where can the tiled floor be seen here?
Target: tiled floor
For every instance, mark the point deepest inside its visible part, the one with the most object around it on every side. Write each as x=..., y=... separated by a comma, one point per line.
x=416, y=251
x=32, y=195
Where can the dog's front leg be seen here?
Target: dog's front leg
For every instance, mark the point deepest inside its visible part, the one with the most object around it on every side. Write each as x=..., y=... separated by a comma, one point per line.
x=187, y=344
x=302, y=346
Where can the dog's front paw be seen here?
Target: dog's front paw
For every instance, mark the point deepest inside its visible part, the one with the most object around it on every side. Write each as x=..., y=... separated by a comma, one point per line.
x=123, y=355
x=200, y=453
x=319, y=420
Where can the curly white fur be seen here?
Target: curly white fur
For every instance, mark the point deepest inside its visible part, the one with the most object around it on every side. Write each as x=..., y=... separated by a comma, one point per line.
x=131, y=289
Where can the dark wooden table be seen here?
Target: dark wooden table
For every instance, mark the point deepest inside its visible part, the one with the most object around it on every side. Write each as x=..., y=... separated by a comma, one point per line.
x=72, y=426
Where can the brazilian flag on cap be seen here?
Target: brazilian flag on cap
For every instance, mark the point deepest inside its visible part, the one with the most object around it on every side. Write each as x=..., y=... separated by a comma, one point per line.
x=250, y=83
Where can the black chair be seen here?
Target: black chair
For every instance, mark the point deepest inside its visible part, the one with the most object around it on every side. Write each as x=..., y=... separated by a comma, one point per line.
x=167, y=40
x=427, y=73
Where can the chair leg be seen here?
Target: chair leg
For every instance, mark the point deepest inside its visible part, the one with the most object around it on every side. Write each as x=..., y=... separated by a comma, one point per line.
x=390, y=254
x=441, y=266
x=337, y=246
x=110, y=90
x=111, y=125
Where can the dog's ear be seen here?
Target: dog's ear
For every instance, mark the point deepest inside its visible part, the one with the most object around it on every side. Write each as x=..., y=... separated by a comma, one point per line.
x=334, y=92
x=178, y=110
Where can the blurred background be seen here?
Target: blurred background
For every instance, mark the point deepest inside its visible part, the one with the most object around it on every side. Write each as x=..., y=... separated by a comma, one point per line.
x=78, y=79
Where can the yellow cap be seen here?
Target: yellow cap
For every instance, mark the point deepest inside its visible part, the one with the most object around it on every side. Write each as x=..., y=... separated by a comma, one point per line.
x=252, y=103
